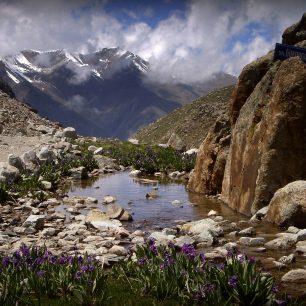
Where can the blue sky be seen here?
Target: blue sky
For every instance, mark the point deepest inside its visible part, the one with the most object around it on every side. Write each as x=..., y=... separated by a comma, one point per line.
x=184, y=41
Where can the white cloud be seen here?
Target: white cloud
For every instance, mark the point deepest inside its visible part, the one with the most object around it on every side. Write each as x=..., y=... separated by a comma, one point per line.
x=76, y=103
x=211, y=36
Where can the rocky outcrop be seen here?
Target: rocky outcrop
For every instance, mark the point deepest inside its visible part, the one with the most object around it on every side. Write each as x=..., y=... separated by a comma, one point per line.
x=247, y=81
x=296, y=32
x=288, y=206
x=207, y=176
x=267, y=149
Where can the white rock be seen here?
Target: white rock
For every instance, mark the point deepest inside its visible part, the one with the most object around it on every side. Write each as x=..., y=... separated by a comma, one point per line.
x=109, y=199
x=135, y=173
x=98, y=151
x=36, y=221
x=70, y=133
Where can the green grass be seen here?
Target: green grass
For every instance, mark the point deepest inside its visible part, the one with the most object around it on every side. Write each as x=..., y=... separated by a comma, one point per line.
x=30, y=184
x=190, y=122
x=149, y=159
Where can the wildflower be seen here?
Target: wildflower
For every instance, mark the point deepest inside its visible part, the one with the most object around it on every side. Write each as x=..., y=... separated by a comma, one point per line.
x=6, y=261
x=24, y=250
x=188, y=250
x=151, y=241
x=84, y=269
x=52, y=260
x=274, y=289
x=252, y=259
x=202, y=257
x=142, y=261
x=221, y=266
x=40, y=274
x=153, y=249
x=233, y=280
x=78, y=275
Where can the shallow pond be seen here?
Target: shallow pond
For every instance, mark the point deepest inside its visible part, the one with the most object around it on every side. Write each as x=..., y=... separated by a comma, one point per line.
x=152, y=214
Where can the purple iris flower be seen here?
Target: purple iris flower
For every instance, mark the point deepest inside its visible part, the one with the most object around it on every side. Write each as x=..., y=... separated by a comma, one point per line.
x=41, y=274
x=188, y=250
x=233, y=280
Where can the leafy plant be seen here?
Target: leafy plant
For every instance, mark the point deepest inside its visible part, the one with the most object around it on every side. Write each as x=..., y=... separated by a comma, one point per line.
x=165, y=273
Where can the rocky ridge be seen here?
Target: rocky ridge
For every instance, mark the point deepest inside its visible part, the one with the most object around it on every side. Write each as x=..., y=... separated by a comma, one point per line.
x=267, y=115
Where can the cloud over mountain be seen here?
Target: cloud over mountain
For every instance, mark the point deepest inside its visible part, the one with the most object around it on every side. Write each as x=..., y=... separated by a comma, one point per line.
x=208, y=36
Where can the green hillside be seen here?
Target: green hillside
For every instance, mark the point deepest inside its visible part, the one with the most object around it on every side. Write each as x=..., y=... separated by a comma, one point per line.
x=190, y=122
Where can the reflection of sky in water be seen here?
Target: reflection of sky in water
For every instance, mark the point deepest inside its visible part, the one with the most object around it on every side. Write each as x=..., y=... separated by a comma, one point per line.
x=131, y=194
x=159, y=212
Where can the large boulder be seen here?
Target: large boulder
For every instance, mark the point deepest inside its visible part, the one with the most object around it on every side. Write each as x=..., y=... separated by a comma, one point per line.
x=8, y=173
x=295, y=33
x=288, y=206
x=247, y=81
x=70, y=133
x=207, y=175
x=267, y=150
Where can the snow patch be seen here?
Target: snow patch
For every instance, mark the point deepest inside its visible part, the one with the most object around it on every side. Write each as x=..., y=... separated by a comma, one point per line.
x=13, y=77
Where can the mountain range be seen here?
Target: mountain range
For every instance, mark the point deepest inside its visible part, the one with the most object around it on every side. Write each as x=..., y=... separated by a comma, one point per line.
x=107, y=93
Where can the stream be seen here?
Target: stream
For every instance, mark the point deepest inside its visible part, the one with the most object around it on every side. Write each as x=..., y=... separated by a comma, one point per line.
x=160, y=212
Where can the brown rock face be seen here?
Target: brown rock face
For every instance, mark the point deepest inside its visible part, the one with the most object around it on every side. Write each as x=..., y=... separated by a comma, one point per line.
x=247, y=81
x=207, y=176
x=296, y=32
x=268, y=147
x=288, y=205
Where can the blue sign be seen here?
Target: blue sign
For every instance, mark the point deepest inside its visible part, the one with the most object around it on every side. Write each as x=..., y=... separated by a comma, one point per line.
x=283, y=52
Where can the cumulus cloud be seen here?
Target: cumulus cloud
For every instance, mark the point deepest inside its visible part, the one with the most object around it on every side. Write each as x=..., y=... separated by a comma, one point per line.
x=210, y=36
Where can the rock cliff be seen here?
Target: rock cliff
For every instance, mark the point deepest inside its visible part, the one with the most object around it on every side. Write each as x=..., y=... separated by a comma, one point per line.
x=207, y=176
x=267, y=114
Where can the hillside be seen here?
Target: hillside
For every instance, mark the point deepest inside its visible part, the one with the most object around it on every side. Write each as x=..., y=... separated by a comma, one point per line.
x=190, y=122
x=107, y=93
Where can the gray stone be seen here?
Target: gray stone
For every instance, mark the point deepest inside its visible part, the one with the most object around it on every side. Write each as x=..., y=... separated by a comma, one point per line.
x=46, y=185
x=283, y=243
x=46, y=154
x=36, y=221
x=92, y=148
x=180, y=241
x=70, y=133
x=106, y=225
x=9, y=173
x=109, y=199
x=135, y=173
x=301, y=235
x=301, y=247
x=288, y=259
x=161, y=238
x=78, y=173
x=118, y=250
x=250, y=231
x=49, y=232
x=293, y=230
x=288, y=205
x=295, y=276
x=16, y=162
x=98, y=151
x=30, y=160
x=252, y=241
x=260, y=214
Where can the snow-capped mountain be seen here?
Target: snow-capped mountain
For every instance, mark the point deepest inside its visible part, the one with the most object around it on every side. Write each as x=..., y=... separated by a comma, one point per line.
x=101, y=93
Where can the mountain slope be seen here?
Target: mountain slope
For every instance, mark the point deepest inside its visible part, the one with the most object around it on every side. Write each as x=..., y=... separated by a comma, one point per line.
x=105, y=93
x=190, y=122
